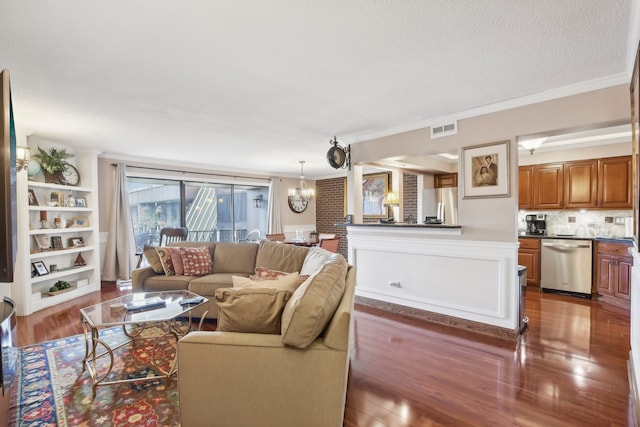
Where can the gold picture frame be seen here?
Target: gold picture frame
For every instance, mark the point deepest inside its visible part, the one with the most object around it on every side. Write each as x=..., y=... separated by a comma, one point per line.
x=374, y=190
x=485, y=170
x=634, y=89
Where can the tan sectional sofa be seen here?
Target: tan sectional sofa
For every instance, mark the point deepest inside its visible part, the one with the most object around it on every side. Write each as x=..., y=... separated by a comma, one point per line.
x=295, y=376
x=229, y=259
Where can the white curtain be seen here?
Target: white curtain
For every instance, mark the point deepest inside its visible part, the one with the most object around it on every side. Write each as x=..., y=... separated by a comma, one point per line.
x=275, y=204
x=119, y=258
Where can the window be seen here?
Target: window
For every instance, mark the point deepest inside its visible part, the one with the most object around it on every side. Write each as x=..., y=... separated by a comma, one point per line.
x=211, y=212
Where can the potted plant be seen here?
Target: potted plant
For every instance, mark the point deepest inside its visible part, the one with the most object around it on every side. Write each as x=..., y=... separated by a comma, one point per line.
x=53, y=163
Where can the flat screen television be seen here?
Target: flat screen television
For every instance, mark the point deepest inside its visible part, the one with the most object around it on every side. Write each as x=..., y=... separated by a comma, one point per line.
x=8, y=177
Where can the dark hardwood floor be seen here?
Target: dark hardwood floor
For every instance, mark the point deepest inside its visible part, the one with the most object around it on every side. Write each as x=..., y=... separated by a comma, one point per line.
x=569, y=369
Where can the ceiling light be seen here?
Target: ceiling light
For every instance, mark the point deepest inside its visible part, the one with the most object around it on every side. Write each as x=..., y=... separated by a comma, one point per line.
x=301, y=191
x=532, y=144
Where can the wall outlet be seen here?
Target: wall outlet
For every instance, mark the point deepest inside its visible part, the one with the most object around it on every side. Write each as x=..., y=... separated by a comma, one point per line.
x=608, y=219
x=619, y=220
x=572, y=219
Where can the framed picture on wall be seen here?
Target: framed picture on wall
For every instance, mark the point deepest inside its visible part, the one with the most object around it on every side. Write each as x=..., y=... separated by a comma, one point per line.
x=485, y=170
x=374, y=191
x=634, y=89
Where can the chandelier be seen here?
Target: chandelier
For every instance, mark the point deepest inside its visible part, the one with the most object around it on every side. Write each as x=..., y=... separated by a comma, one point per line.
x=301, y=191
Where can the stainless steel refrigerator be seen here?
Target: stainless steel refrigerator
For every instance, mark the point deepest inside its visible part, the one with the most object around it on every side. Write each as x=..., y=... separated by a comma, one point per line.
x=442, y=204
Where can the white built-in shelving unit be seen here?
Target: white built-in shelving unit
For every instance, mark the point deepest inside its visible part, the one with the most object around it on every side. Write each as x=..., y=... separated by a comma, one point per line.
x=31, y=292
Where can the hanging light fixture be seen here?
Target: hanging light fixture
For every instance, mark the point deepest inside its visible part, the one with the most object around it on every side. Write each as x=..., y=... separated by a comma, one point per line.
x=301, y=191
x=532, y=144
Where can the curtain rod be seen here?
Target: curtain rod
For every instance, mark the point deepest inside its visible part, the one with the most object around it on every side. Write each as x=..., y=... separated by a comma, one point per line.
x=196, y=173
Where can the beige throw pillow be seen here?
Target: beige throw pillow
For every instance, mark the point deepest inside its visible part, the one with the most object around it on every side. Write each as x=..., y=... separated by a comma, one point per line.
x=289, y=282
x=250, y=310
x=311, y=306
x=152, y=257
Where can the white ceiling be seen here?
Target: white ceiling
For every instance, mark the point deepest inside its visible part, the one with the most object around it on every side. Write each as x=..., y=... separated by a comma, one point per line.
x=257, y=86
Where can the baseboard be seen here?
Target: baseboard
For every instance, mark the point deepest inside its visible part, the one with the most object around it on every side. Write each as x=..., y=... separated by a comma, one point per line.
x=442, y=319
x=633, y=389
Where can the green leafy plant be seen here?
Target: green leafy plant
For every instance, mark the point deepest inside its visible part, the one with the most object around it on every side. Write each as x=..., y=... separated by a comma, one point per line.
x=60, y=285
x=53, y=160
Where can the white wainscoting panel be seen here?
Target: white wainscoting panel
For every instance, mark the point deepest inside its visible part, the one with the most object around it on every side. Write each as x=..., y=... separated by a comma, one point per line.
x=472, y=280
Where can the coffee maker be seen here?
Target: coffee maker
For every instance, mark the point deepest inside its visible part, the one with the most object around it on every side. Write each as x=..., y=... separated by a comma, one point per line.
x=536, y=224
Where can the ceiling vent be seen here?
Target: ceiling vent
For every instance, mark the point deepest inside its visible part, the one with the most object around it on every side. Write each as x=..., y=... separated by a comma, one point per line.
x=444, y=130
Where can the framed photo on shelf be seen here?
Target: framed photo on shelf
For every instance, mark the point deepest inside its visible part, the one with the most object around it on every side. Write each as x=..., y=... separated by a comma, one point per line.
x=485, y=170
x=56, y=199
x=40, y=268
x=81, y=202
x=76, y=241
x=33, y=200
x=42, y=240
x=80, y=222
x=56, y=242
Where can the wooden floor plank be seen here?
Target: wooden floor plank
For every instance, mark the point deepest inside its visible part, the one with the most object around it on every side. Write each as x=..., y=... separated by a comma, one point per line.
x=569, y=368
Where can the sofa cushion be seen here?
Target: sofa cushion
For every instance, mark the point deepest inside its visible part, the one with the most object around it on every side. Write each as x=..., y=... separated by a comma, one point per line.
x=315, y=259
x=151, y=255
x=289, y=282
x=160, y=282
x=164, y=254
x=207, y=285
x=311, y=306
x=234, y=257
x=280, y=256
x=196, y=261
x=250, y=310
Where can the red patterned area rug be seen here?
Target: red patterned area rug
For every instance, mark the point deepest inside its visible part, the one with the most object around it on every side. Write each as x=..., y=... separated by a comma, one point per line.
x=51, y=388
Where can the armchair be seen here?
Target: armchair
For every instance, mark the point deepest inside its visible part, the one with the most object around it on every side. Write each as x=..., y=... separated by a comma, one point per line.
x=244, y=379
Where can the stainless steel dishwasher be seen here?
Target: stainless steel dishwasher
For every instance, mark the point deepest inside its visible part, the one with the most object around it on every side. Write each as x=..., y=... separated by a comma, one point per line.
x=566, y=265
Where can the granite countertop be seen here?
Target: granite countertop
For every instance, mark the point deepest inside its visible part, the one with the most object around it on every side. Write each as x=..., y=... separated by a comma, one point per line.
x=403, y=225
x=574, y=237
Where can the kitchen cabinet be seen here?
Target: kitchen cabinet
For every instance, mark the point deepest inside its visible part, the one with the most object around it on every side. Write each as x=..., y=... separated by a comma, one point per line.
x=583, y=184
x=580, y=184
x=525, y=187
x=548, y=186
x=445, y=180
x=529, y=256
x=612, y=274
x=614, y=183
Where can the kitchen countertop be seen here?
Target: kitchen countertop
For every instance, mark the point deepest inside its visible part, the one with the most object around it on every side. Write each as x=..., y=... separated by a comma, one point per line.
x=574, y=237
x=402, y=224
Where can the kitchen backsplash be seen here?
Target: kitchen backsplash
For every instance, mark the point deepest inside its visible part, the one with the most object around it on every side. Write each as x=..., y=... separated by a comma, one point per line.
x=589, y=223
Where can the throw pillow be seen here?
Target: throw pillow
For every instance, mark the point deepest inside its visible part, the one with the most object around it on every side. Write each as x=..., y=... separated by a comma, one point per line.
x=315, y=260
x=196, y=261
x=311, y=306
x=289, y=282
x=152, y=257
x=263, y=273
x=250, y=310
x=165, y=259
x=176, y=259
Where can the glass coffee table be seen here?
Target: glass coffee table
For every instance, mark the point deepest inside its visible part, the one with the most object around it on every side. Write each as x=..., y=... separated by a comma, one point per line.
x=136, y=313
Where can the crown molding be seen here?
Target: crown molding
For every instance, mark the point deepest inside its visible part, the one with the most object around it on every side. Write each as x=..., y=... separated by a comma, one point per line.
x=548, y=95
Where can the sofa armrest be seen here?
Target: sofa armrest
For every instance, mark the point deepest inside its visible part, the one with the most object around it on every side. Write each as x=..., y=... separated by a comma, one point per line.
x=138, y=276
x=241, y=379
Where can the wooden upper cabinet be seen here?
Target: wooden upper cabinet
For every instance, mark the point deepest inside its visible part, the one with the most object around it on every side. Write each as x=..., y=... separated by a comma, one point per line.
x=525, y=187
x=548, y=186
x=580, y=184
x=446, y=180
x=614, y=183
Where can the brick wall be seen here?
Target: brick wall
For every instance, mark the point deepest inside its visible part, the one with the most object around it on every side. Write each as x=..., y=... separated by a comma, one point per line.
x=330, y=208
